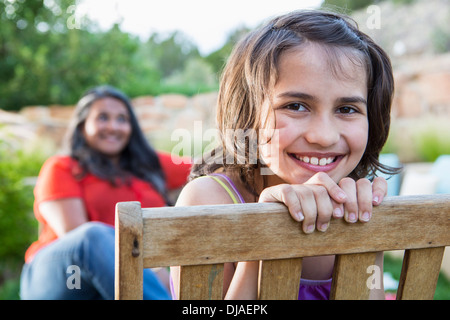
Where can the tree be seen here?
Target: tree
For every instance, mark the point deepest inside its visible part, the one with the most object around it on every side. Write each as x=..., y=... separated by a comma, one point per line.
x=347, y=5
x=218, y=58
x=196, y=76
x=23, y=52
x=50, y=56
x=170, y=53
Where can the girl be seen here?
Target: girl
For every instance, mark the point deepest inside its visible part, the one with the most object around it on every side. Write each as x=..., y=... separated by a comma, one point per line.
x=316, y=93
x=108, y=160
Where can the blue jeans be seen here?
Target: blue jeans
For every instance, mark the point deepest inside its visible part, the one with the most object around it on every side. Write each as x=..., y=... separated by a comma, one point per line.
x=80, y=265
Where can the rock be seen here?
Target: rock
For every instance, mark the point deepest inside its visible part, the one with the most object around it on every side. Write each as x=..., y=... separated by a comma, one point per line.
x=146, y=101
x=173, y=101
x=36, y=113
x=422, y=87
x=11, y=118
x=61, y=113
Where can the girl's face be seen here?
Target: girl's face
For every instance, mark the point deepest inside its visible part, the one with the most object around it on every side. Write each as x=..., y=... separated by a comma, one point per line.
x=107, y=127
x=320, y=117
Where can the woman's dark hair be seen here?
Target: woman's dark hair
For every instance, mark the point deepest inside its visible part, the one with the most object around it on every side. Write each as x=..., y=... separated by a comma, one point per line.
x=138, y=158
x=252, y=72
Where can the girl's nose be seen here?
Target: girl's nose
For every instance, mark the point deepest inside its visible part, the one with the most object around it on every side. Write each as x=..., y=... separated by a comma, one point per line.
x=322, y=131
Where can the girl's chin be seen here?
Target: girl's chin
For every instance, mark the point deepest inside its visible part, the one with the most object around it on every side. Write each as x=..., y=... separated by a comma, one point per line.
x=295, y=171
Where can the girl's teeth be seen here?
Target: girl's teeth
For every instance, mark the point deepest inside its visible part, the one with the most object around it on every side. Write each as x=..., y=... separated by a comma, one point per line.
x=316, y=161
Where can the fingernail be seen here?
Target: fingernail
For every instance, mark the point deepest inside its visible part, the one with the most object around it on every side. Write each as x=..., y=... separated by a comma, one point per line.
x=365, y=216
x=342, y=196
x=310, y=228
x=324, y=227
x=376, y=200
x=351, y=217
x=338, y=213
x=300, y=216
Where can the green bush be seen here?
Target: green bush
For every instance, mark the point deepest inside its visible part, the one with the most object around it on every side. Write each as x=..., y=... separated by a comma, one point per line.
x=419, y=140
x=432, y=140
x=18, y=227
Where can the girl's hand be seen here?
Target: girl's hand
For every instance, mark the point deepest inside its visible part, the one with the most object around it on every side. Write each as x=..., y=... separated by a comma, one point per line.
x=362, y=196
x=313, y=202
x=320, y=198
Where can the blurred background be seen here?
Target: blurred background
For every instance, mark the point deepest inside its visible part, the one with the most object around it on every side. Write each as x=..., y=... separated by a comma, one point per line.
x=167, y=57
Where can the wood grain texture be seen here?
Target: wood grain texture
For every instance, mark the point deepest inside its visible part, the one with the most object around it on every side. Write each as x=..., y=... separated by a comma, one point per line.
x=202, y=238
x=280, y=279
x=351, y=269
x=420, y=272
x=203, y=282
x=128, y=252
x=243, y=232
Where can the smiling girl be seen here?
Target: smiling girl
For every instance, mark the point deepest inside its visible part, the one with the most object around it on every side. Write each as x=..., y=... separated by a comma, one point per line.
x=320, y=92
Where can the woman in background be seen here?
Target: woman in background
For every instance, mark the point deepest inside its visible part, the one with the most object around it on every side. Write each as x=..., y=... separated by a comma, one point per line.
x=108, y=160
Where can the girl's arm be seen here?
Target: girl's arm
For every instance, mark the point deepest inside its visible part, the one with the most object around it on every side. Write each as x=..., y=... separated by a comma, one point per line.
x=244, y=285
x=378, y=293
x=202, y=191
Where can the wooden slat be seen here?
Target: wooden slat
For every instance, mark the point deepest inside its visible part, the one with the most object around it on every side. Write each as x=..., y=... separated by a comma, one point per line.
x=280, y=279
x=350, y=276
x=245, y=232
x=420, y=272
x=203, y=282
x=204, y=235
x=128, y=251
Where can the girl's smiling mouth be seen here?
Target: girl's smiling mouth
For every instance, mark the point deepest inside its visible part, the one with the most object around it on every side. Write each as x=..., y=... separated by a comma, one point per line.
x=317, y=162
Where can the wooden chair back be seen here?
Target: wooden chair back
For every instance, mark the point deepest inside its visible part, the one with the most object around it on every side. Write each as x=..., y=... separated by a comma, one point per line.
x=201, y=239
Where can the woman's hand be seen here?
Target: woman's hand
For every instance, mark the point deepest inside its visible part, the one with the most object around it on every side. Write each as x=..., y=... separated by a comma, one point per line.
x=320, y=198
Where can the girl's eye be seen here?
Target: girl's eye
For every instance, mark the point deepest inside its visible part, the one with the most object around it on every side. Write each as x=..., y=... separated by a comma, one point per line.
x=296, y=107
x=347, y=110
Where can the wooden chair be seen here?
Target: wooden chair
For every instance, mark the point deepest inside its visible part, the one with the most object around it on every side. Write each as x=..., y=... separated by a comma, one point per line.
x=202, y=238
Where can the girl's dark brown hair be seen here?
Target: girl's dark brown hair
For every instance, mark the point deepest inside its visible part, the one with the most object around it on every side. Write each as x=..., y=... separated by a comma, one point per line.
x=252, y=71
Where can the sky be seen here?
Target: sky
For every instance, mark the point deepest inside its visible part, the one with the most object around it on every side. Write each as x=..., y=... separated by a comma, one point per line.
x=206, y=22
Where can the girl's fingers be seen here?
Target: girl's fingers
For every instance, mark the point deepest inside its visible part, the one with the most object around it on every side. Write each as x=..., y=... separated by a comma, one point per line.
x=309, y=207
x=324, y=207
x=364, y=194
x=351, y=205
x=323, y=179
x=320, y=198
x=299, y=199
x=316, y=207
x=338, y=209
x=379, y=190
x=286, y=194
x=337, y=194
